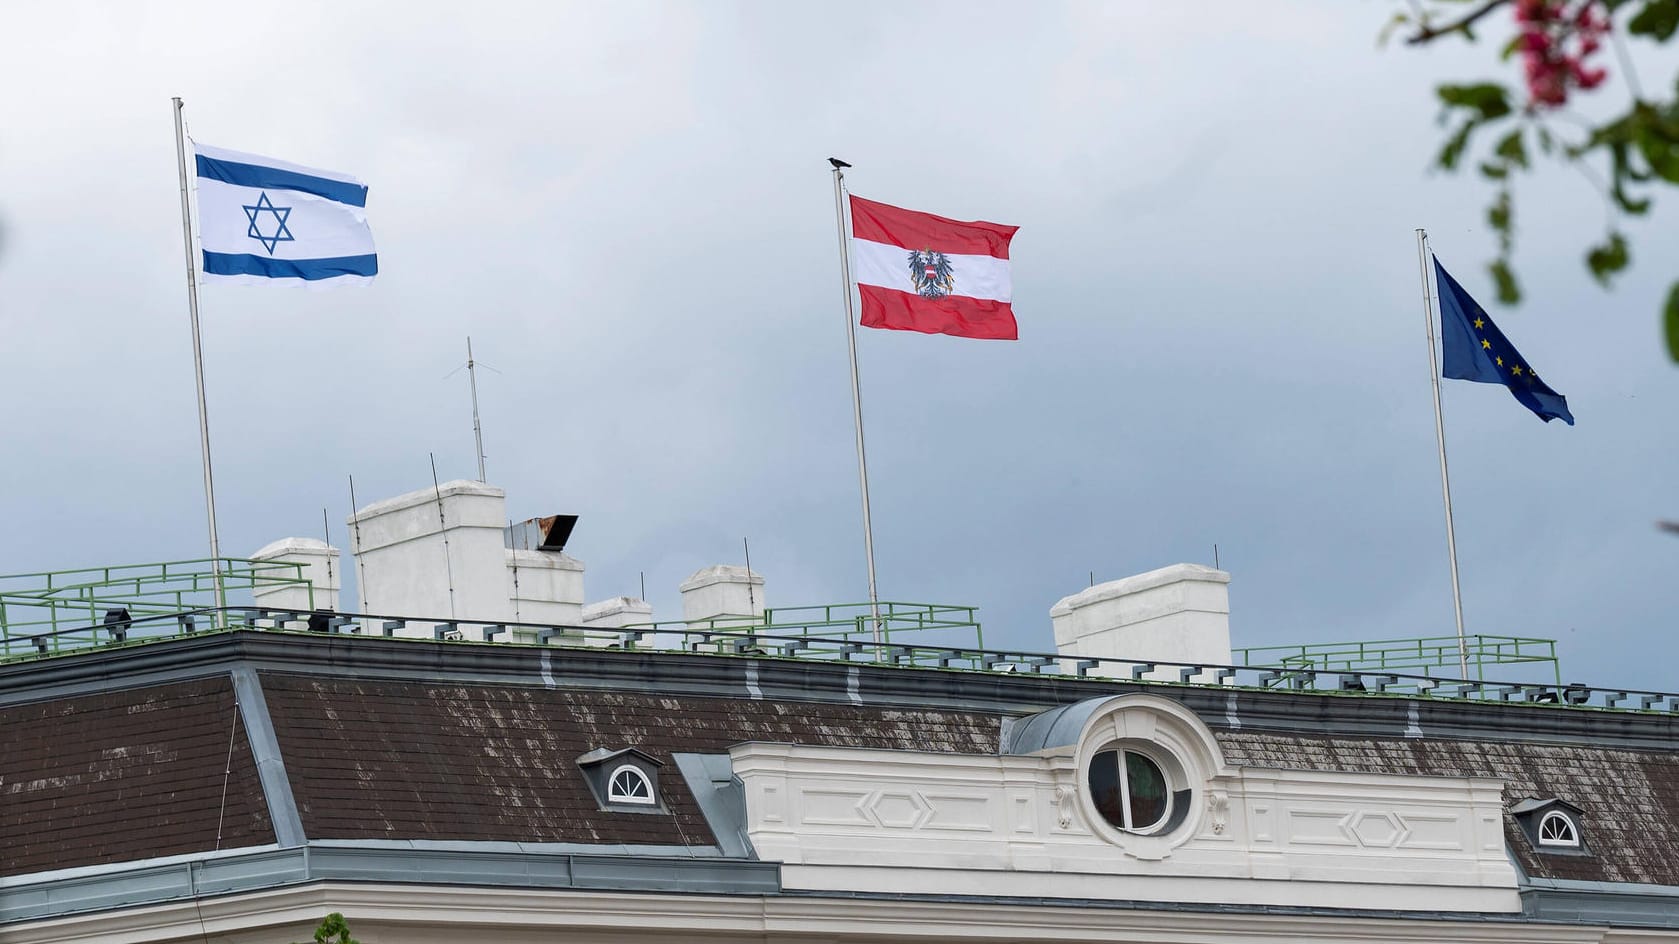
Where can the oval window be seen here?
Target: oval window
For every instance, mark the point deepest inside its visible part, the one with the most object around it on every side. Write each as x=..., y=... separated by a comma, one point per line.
x=1129, y=789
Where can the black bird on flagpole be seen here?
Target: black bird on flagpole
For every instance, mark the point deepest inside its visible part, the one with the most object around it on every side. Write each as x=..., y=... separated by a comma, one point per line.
x=837, y=163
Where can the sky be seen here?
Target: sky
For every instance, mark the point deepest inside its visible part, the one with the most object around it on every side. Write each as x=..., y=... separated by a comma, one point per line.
x=628, y=208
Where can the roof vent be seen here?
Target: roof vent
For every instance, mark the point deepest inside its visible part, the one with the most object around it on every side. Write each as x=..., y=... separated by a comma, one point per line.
x=541, y=534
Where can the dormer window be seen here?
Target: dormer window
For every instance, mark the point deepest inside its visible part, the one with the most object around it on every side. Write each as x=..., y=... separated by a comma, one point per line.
x=1556, y=829
x=623, y=781
x=629, y=785
x=1552, y=825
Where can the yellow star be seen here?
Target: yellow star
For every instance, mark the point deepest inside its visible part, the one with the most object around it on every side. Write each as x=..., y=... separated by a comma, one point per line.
x=1500, y=362
x=1517, y=370
x=1479, y=324
x=1486, y=344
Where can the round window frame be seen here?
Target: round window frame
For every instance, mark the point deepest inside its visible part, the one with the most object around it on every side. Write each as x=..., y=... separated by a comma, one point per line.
x=1567, y=821
x=1170, y=771
x=1178, y=741
x=612, y=796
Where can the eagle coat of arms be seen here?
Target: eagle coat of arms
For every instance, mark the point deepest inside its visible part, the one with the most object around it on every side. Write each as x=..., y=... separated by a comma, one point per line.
x=930, y=272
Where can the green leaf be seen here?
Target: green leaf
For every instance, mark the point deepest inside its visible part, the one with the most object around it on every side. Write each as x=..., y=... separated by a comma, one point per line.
x=1657, y=137
x=1608, y=259
x=1508, y=292
x=1658, y=20
x=1488, y=99
x=1670, y=319
x=1499, y=213
x=1512, y=47
x=1493, y=171
x=1453, y=149
x=1545, y=140
x=1512, y=149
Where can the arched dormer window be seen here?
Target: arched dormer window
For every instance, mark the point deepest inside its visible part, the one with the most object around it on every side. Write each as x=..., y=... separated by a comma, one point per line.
x=1556, y=829
x=624, y=780
x=629, y=785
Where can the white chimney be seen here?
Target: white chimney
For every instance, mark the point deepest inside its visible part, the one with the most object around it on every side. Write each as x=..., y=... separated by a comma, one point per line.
x=320, y=568
x=614, y=613
x=412, y=550
x=1177, y=615
x=725, y=593
x=545, y=587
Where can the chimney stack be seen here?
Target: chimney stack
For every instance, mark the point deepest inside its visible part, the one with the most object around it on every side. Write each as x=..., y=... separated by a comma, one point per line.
x=725, y=594
x=320, y=568
x=1178, y=615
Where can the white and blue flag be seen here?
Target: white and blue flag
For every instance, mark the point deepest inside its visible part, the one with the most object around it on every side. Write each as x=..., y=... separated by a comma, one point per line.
x=261, y=218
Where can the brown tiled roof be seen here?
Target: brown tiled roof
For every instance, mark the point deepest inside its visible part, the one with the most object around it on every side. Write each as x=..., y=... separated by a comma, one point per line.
x=125, y=775
x=1629, y=799
x=429, y=760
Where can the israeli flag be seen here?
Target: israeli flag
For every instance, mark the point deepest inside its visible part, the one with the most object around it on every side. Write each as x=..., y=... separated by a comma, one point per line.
x=261, y=219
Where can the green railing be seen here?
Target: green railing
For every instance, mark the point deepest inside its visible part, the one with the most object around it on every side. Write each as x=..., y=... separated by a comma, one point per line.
x=932, y=624
x=1392, y=655
x=72, y=609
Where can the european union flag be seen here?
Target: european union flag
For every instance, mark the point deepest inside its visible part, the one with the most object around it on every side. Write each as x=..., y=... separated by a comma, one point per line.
x=1476, y=350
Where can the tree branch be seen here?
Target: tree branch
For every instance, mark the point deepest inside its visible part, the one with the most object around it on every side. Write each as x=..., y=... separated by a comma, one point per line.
x=1426, y=33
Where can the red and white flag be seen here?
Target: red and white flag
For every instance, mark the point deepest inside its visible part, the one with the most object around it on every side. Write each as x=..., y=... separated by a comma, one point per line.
x=920, y=272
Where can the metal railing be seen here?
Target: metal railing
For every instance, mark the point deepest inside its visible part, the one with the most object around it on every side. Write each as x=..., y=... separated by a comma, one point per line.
x=71, y=609
x=843, y=621
x=1387, y=655
x=734, y=642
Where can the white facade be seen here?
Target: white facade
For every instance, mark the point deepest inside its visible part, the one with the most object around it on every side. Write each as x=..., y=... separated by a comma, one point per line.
x=1026, y=825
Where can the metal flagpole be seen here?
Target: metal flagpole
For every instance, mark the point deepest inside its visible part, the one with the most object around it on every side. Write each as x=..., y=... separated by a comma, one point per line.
x=198, y=368
x=477, y=430
x=856, y=394
x=1440, y=438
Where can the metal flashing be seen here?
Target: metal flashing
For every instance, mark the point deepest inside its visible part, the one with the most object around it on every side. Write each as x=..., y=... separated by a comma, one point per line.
x=711, y=779
x=138, y=884
x=1564, y=901
x=265, y=750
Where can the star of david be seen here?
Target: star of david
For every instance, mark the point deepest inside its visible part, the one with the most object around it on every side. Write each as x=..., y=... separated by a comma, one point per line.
x=280, y=235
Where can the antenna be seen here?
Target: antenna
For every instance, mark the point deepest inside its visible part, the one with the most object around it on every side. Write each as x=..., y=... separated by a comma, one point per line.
x=472, y=366
x=644, y=586
x=514, y=557
x=443, y=529
x=326, y=535
x=361, y=567
x=477, y=429
x=751, y=603
x=1215, y=558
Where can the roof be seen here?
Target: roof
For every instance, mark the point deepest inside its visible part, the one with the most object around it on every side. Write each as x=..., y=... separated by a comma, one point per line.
x=126, y=775
x=390, y=740
x=1629, y=800
x=394, y=759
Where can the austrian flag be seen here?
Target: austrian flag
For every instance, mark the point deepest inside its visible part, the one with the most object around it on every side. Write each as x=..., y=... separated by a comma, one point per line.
x=920, y=272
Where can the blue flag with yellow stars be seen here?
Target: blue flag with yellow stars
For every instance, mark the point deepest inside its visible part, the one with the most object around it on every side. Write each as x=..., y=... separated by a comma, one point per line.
x=1476, y=350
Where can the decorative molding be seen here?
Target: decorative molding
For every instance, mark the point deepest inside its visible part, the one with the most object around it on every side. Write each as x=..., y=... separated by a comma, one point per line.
x=1218, y=810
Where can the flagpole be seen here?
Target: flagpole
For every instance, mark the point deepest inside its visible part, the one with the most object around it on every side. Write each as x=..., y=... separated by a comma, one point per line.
x=1440, y=438
x=856, y=394
x=198, y=369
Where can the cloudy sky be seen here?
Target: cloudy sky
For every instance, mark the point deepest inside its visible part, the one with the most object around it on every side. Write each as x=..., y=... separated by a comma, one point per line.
x=628, y=208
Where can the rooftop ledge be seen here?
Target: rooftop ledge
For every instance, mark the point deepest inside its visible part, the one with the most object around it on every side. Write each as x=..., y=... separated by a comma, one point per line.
x=832, y=635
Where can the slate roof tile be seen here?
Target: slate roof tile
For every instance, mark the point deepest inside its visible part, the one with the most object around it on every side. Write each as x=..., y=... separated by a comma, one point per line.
x=125, y=775
x=401, y=759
